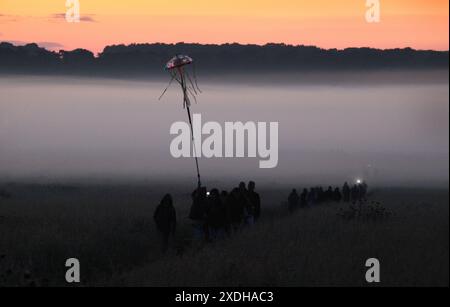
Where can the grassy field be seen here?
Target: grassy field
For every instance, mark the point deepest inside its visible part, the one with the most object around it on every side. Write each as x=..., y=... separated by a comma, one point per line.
x=109, y=228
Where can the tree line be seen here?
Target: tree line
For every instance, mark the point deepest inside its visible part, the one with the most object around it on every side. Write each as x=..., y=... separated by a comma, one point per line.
x=149, y=59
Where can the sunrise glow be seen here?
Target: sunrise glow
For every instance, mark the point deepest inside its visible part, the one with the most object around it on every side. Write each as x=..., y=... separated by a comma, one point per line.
x=420, y=24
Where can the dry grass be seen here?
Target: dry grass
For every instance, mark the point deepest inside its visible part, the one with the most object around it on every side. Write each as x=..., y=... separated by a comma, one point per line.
x=110, y=230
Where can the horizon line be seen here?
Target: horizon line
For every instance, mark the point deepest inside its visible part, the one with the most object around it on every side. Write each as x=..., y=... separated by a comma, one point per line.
x=42, y=45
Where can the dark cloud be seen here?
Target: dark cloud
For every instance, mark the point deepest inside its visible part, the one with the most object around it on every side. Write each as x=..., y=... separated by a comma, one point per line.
x=58, y=16
x=16, y=43
x=85, y=18
x=46, y=45
x=50, y=45
x=5, y=17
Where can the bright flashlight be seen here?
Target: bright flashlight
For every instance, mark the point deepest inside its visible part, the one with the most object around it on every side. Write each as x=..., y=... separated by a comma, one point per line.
x=207, y=193
x=358, y=181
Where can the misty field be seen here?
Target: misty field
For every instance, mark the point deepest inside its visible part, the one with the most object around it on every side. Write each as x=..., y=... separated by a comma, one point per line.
x=110, y=229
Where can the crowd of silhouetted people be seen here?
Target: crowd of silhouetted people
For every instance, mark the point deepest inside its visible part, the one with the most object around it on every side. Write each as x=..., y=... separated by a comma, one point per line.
x=217, y=214
x=317, y=195
x=214, y=214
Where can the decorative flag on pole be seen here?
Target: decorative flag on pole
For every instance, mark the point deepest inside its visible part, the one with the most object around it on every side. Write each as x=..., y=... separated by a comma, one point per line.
x=177, y=69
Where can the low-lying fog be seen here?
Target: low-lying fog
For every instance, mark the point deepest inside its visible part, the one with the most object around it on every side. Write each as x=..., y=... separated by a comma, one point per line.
x=61, y=129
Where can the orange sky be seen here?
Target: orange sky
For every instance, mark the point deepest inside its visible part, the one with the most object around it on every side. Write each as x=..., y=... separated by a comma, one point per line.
x=421, y=24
